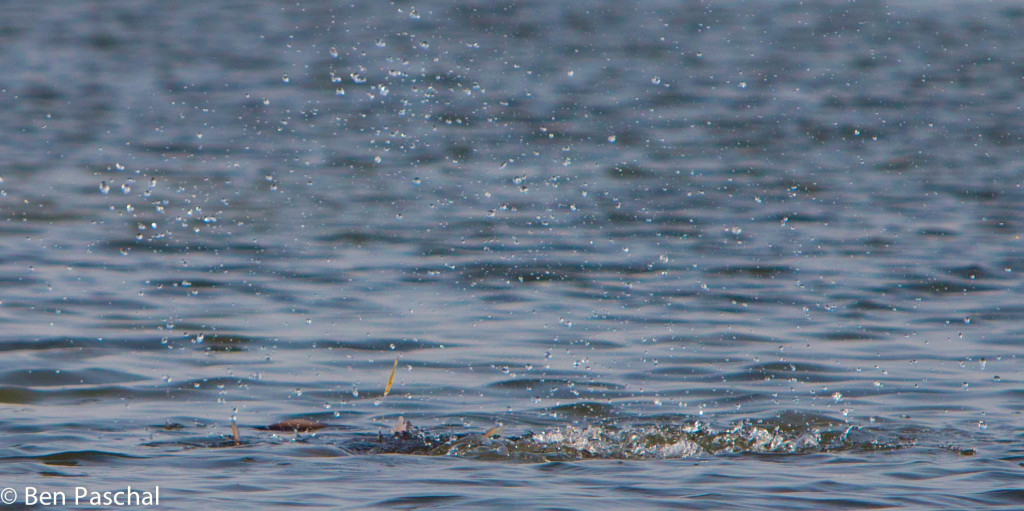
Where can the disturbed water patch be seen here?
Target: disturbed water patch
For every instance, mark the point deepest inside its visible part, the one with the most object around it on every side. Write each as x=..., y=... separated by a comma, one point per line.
x=664, y=438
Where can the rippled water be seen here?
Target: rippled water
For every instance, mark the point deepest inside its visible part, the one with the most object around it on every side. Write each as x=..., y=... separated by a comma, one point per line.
x=687, y=254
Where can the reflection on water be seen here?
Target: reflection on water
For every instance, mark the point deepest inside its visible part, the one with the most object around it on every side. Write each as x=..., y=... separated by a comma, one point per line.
x=689, y=253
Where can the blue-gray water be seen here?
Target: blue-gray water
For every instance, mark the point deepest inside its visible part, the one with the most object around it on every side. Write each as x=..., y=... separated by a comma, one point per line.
x=716, y=254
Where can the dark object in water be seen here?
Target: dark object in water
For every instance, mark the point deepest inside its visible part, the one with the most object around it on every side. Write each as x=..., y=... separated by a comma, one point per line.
x=296, y=425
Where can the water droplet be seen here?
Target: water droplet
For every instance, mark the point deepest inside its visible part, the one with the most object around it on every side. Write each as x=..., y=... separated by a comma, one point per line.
x=571, y=73
x=656, y=80
x=967, y=320
x=285, y=79
x=381, y=43
x=357, y=78
x=104, y=187
x=416, y=181
x=413, y=14
x=334, y=52
x=611, y=139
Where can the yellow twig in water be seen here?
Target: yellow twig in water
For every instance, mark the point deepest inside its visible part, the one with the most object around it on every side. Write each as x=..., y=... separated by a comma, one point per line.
x=391, y=380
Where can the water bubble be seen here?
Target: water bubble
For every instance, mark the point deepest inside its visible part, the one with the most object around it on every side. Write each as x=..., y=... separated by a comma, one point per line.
x=340, y=91
x=656, y=80
x=611, y=139
x=571, y=73
x=381, y=43
x=413, y=14
x=285, y=79
x=334, y=52
x=104, y=187
x=982, y=425
x=967, y=320
x=357, y=78
x=743, y=85
x=126, y=187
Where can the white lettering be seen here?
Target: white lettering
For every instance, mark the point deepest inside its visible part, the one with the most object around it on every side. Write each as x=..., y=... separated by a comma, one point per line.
x=127, y=497
x=44, y=498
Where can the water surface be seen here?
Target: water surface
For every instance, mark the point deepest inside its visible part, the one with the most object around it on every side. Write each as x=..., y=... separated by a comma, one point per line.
x=685, y=254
